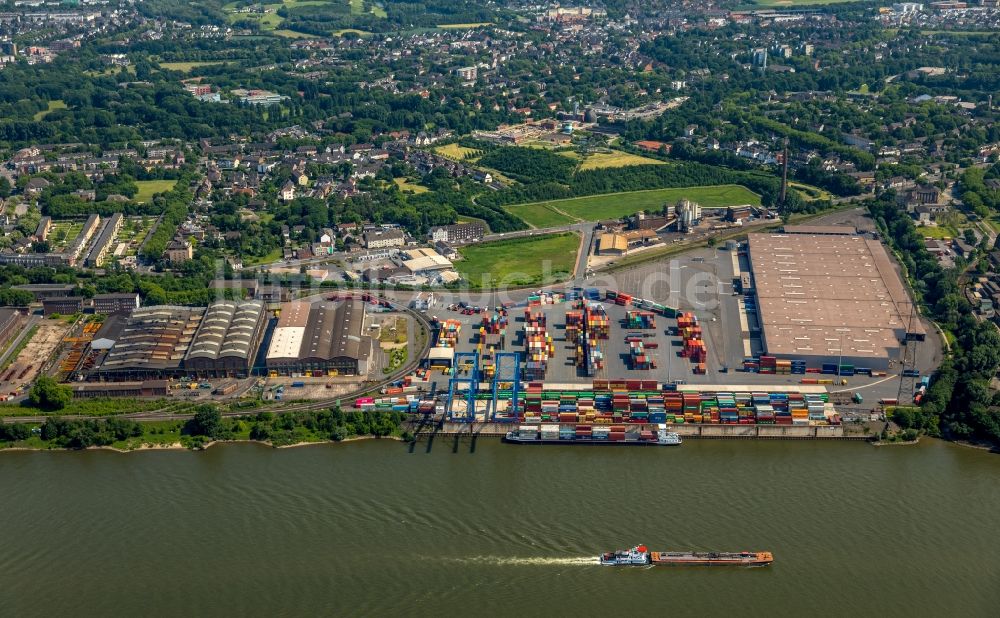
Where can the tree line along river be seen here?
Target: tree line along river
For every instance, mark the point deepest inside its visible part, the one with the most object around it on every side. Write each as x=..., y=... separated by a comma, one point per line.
x=384, y=528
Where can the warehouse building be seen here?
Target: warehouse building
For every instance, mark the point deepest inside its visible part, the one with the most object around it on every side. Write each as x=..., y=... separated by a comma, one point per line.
x=320, y=339
x=227, y=339
x=146, y=388
x=830, y=297
x=150, y=344
x=41, y=291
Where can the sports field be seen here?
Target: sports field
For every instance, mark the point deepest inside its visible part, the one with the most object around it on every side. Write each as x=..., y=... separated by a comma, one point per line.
x=535, y=260
x=148, y=187
x=617, y=205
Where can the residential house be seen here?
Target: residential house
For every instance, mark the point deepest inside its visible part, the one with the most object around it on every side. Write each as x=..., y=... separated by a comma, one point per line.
x=179, y=250
x=460, y=233
x=382, y=239
x=35, y=186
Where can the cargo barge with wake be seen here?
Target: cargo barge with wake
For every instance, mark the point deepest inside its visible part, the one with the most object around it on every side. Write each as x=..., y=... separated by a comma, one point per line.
x=591, y=434
x=641, y=556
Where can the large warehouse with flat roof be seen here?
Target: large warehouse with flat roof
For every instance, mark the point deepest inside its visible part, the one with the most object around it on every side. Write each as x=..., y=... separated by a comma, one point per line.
x=826, y=297
x=320, y=339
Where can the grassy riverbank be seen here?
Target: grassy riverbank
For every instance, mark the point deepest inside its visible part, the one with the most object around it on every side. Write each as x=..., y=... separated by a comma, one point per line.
x=208, y=427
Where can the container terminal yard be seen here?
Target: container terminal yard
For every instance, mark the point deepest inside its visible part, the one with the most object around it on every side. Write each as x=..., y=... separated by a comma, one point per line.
x=795, y=343
x=791, y=334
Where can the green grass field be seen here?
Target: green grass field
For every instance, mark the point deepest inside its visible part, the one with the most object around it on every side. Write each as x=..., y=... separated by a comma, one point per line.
x=273, y=256
x=810, y=193
x=292, y=34
x=185, y=67
x=519, y=261
x=602, y=160
x=268, y=21
x=148, y=187
x=456, y=152
x=540, y=214
x=938, y=232
x=410, y=186
x=53, y=105
x=617, y=205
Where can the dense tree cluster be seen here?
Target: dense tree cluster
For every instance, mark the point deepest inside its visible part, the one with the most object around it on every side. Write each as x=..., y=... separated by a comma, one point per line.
x=959, y=402
x=76, y=434
x=13, y=432
x=530, y=164
x=174, y=206
x=48, y=394
x=288, y=428
x=335, y=424
x=977, y=196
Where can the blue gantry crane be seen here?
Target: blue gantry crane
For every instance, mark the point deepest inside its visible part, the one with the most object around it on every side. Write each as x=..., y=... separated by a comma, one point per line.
x=506, y=378
x=462, y=387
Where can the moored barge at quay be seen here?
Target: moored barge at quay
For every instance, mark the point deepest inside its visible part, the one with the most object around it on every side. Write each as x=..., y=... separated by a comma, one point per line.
x=595, y=435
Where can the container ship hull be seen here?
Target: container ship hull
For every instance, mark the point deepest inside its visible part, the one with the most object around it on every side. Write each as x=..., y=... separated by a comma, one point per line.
x=589, y=441
x=707, y=559
x=584, y=434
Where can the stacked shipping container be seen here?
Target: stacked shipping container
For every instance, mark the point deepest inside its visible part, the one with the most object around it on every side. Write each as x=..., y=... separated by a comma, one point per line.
x=694, y=346
x=640, y=401
x=538, y=345
x=640, y=319
x=448, y=331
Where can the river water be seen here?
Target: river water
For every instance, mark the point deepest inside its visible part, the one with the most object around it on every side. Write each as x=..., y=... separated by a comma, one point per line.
x=371, y=528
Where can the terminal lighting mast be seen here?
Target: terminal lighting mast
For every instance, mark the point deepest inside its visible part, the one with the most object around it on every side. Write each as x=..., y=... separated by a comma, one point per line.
x=907, y=372
x=784, y=180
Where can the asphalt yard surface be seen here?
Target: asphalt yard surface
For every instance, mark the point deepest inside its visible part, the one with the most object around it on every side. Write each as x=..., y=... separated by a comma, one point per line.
x=701, y=282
